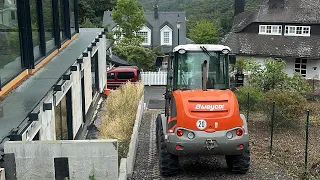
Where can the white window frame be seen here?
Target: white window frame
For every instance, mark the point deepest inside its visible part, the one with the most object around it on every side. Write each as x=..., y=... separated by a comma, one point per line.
x=148, y=31
x=301, y=63
x=294, y=30
x=270, y=29
x=166, y=29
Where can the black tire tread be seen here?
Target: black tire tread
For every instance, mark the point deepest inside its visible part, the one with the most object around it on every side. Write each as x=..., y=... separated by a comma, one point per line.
x=168, y=163
x=239, y=164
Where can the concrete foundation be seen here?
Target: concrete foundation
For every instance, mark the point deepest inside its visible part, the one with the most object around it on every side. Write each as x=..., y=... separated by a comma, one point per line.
x=37, y=160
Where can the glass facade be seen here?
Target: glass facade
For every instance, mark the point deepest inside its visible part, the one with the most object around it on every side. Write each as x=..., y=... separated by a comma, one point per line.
x=38, y=26
x=62, y=19
x=35, y=28
x=10, y=53
x=48, y=24
x=72, y=17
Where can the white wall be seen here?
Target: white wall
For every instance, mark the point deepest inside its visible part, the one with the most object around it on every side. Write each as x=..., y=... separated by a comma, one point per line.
x=35, y=160
x=102, y=64
x=47, y=131
x=311, y=73
x=291, y=63
x=47, y=117
x=87, y=81
x=76, y=101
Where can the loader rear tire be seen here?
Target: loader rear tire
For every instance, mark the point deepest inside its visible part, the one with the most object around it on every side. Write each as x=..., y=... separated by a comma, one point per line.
x=168, y=163
x=239, y=164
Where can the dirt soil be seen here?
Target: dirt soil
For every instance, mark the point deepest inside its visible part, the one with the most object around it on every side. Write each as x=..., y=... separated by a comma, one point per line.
x=289, y=142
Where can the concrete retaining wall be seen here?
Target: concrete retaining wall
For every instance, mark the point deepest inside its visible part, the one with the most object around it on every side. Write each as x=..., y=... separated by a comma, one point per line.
x=2, y=174
x=35, y=160
x=131, y=157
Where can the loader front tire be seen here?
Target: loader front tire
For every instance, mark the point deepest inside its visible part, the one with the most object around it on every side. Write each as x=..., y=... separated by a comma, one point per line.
x=168, y=163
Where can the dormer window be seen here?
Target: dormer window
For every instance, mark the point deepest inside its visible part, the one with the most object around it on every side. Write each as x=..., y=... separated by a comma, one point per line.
x=270, y=29
x=297, y=31
x=166, y=36
x=145, y=33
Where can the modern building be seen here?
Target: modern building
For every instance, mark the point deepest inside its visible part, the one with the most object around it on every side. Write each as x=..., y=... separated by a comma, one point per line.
x=287, y=29
x=52, y=72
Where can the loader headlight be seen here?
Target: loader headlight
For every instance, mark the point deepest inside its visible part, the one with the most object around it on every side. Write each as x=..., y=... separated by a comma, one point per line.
x=190, y=135
x=225, y=51
x=182, y=51
x=229, y=135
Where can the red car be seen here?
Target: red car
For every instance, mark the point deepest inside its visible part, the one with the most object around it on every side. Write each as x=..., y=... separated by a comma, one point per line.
x=120, y=75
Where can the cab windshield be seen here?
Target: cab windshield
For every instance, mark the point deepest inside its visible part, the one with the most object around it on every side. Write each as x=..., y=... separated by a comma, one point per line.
x=189, y=70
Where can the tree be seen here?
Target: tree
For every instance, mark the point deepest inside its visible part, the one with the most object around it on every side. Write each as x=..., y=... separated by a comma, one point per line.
x=204, y=33
x=135, y=54
x=91, y=11
x=129, y=16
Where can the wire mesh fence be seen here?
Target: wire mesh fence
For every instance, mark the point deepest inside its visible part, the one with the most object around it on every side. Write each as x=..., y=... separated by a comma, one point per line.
x=289, y=138
x=314, y=94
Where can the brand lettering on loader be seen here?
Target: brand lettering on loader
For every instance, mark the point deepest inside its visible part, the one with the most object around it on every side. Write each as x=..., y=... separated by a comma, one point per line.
x=209, y=107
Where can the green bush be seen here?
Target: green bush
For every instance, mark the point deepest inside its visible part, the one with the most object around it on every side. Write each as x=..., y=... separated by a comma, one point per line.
x=271, y=75
x=255, y=98
x=289, y=105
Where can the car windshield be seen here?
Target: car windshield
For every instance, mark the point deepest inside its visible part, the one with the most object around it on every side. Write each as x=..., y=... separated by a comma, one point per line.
x=189, y=70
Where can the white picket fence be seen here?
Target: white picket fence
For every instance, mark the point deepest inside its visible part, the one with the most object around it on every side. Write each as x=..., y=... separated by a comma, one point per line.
x=154, y=78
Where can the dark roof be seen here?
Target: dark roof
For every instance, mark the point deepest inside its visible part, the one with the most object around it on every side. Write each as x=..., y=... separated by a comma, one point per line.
x=288, y=11
x=266, y=45
x=117, y=60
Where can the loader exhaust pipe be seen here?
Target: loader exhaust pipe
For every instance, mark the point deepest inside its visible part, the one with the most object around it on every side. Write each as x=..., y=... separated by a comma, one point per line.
x=204, y=75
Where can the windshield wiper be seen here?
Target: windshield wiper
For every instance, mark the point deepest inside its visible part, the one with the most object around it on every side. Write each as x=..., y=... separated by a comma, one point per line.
x=208, y=53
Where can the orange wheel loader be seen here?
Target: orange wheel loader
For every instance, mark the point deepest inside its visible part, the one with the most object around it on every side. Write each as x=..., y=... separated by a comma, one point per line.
x=201, y=114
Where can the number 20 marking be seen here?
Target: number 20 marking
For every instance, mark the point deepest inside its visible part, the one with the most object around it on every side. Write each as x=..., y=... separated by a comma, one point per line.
x=201, y=124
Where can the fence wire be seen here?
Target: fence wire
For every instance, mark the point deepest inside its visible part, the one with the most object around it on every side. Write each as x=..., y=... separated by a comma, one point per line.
x=284, y=140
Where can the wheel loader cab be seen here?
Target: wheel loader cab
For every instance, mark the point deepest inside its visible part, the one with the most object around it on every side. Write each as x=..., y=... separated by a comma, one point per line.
x=188, y=69
x=202, y=114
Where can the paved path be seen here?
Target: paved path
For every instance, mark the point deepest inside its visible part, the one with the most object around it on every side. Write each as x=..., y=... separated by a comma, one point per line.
x=146, y=166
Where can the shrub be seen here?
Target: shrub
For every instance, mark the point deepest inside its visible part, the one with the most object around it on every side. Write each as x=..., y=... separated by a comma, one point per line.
x=255, y=98
x=271, y=75
x=119, y=114
x=289, y=105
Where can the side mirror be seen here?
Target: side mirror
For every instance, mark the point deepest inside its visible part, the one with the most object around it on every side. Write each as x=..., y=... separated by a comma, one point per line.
x=232, y=58
x=171, y=55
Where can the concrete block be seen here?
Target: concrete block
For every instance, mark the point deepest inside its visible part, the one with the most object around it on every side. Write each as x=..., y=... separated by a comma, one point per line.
x=134, y=139
x=35, y=159
x=123, y=169
x=2, y=174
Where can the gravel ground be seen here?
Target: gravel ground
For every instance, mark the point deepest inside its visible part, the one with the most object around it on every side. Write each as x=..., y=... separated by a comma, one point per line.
x=146, y=166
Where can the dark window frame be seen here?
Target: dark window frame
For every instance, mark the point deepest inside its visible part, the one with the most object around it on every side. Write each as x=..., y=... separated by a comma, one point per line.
x=131, y=73
x=95, y=67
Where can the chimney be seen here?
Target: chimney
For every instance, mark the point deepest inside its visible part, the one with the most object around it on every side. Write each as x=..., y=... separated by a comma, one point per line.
x=156, y=11
x=239, y=6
